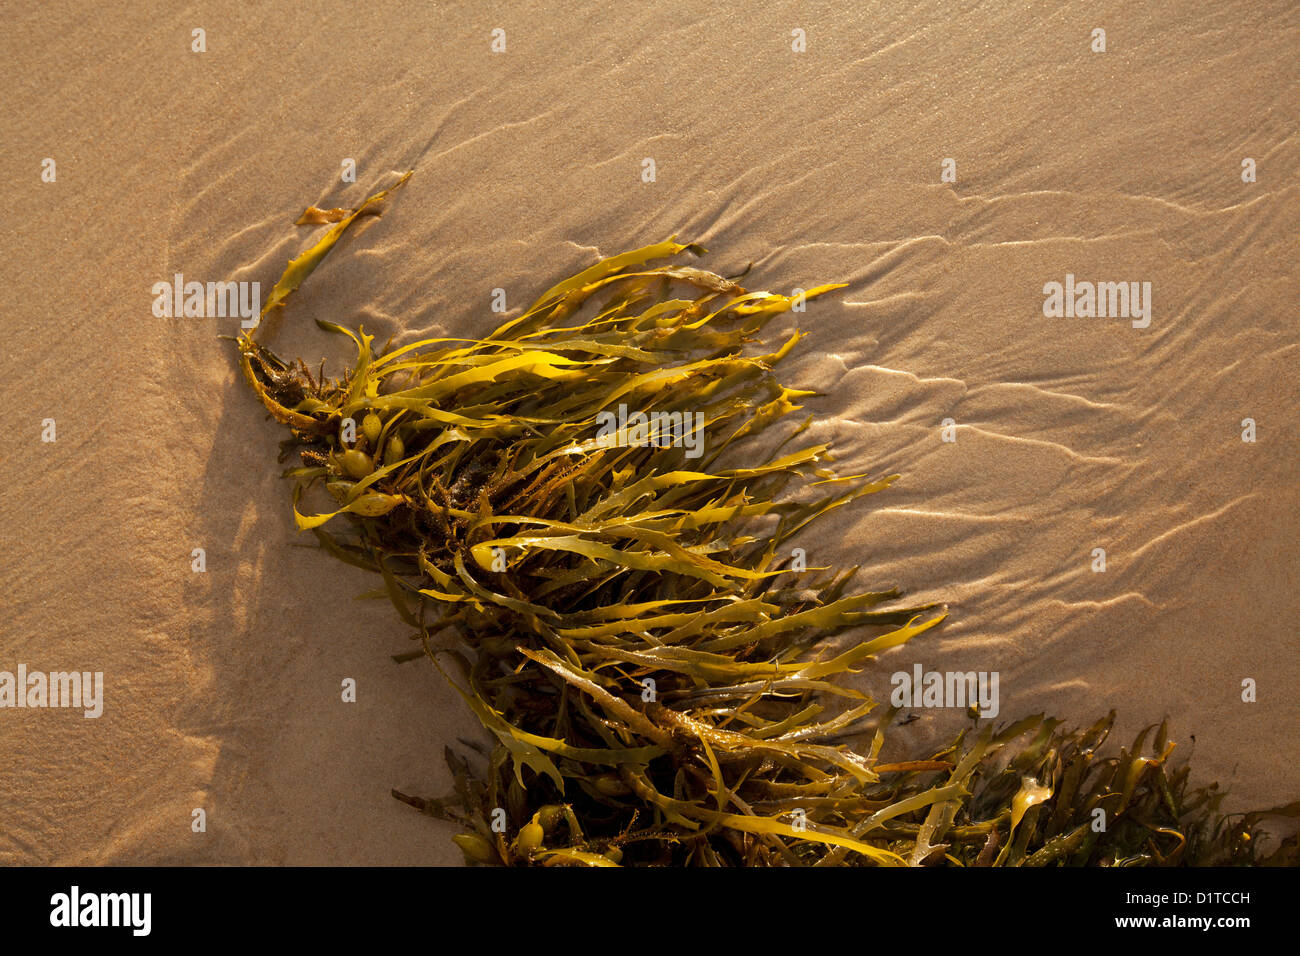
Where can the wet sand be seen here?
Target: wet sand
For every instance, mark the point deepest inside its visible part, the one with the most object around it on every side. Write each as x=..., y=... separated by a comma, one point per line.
x=222, y=688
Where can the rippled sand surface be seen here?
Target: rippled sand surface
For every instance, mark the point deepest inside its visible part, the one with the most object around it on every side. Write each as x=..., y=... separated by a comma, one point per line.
x=1071, y=433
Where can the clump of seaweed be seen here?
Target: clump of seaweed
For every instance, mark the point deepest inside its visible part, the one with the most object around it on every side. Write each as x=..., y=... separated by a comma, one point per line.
x=660, y=682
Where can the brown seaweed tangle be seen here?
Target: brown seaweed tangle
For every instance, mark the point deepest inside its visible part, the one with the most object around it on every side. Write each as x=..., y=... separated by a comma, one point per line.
x=659, y=679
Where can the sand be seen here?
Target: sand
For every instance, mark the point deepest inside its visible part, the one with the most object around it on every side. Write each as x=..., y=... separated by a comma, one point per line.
x=223, y=687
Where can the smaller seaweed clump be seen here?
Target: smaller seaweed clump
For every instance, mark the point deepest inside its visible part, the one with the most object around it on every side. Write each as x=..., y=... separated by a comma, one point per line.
x=621, y=611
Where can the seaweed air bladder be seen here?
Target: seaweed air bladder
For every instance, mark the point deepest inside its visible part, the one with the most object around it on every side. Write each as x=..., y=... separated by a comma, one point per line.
x=658, y=683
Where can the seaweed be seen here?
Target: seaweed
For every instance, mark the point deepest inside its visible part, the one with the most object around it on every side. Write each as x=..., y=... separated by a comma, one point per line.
x=660, y=680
